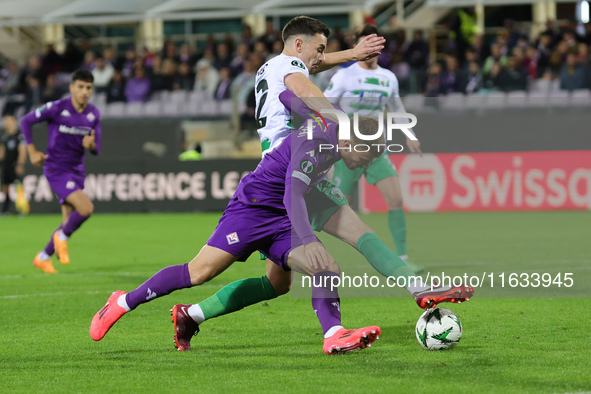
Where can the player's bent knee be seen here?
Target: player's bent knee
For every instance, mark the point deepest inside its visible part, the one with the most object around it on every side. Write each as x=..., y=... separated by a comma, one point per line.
x=281, y=288
x=394, y=203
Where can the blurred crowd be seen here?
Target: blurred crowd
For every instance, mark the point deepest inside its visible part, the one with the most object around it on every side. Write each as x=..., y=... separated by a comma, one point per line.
x=469, y=63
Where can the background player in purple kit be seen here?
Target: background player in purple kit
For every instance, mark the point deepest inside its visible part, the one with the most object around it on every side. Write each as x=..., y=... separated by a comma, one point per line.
x=267, y=213
x=74, y=126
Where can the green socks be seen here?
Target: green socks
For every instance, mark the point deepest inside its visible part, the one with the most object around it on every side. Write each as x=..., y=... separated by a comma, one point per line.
x=237, y=295
x=397, y=224
x=381, y=257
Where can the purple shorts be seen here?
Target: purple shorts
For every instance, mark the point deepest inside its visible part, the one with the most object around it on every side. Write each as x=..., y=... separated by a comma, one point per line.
x=63, y=182
x=244, y=229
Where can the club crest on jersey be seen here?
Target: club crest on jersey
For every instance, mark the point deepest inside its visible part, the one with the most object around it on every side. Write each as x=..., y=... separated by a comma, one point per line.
x=232, y=238
x=90, y=117
x=307, y=166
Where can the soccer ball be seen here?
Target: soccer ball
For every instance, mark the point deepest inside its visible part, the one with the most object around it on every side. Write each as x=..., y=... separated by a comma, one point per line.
x=438, y=329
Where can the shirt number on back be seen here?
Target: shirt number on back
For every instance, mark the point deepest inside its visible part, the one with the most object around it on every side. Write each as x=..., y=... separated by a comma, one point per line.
x=262, y=86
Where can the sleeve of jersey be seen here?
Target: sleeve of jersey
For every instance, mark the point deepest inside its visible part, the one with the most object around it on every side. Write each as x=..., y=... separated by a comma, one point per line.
x=41, y=114
x=293, y=65
x=97, y=136
x=295, y=105
x=303, y=174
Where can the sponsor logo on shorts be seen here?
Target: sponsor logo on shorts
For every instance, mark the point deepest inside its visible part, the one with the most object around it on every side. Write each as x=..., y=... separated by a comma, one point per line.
x=70, y=185
x=232, y=238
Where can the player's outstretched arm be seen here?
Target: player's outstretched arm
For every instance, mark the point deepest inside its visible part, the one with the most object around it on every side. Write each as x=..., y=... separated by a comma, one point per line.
x=309, y=93
x=39, y=115
x=369, y=47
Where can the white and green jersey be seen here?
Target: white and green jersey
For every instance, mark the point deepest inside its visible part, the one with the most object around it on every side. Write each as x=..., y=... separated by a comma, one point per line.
x=356, y=89
x=273, y=119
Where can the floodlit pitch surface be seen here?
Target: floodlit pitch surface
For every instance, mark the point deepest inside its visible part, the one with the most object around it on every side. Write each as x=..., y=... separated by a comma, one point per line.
x=509, y=344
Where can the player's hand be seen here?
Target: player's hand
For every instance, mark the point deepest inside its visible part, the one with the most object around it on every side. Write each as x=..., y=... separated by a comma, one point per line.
x=317, y=255
x=414, y=146
x=369, y=47
x=88, y=141
x=37, y=158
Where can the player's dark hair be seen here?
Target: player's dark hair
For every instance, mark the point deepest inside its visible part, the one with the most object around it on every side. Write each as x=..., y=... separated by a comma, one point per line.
x=369, y=125
x=366, y=31
x=304, y=25
x=82, y=75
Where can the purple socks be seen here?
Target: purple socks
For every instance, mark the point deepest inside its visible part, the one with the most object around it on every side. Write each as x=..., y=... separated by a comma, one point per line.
x=162, y=283
x=74, y=222
x=326, y=302
x=50, y=247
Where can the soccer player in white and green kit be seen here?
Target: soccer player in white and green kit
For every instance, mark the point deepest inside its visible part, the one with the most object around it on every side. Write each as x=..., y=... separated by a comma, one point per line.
x=367, y=89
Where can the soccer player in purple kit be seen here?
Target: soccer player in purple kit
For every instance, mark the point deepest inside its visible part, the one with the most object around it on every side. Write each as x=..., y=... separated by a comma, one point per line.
x=73, y=125
x=268, y=213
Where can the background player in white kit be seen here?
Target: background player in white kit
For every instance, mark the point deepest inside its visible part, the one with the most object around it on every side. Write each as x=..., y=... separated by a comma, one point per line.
x=369, y=89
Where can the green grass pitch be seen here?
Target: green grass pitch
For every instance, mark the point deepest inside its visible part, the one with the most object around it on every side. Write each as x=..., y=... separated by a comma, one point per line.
x=509, y=344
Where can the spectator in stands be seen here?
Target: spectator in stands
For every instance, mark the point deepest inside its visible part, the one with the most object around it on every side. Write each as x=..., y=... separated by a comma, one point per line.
x=271, y=36
x=169, y=74
x=102, y=73
x=495, y=57
x=71, y=58
x=170, y=52
x=222, y=91
x=275, y=50
x=185, y=79
x=223, y=58
x=246, y=36
x=433, y=84
x=417, y=57
x=491, y=80
x=237, y=63
x=88, y=64
x=110, y=57
x=51, y=92
x=187, y=55
x=481, y=51
x=573, y=74
x=453, y=80
x=207, y=77
x=513, y=77
x=544, y=49
x=51, y=61
x=116, y=88
x=583, y=53
x=474, y=79
x=137, y=88
x=530, y=62
x=11, y=83
x=417, y=52
x=128, y=64
x=260, y=49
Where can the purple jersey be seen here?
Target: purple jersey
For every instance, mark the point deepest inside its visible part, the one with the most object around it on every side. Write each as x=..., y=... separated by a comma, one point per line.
x=288, y=172
x=66, y=128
